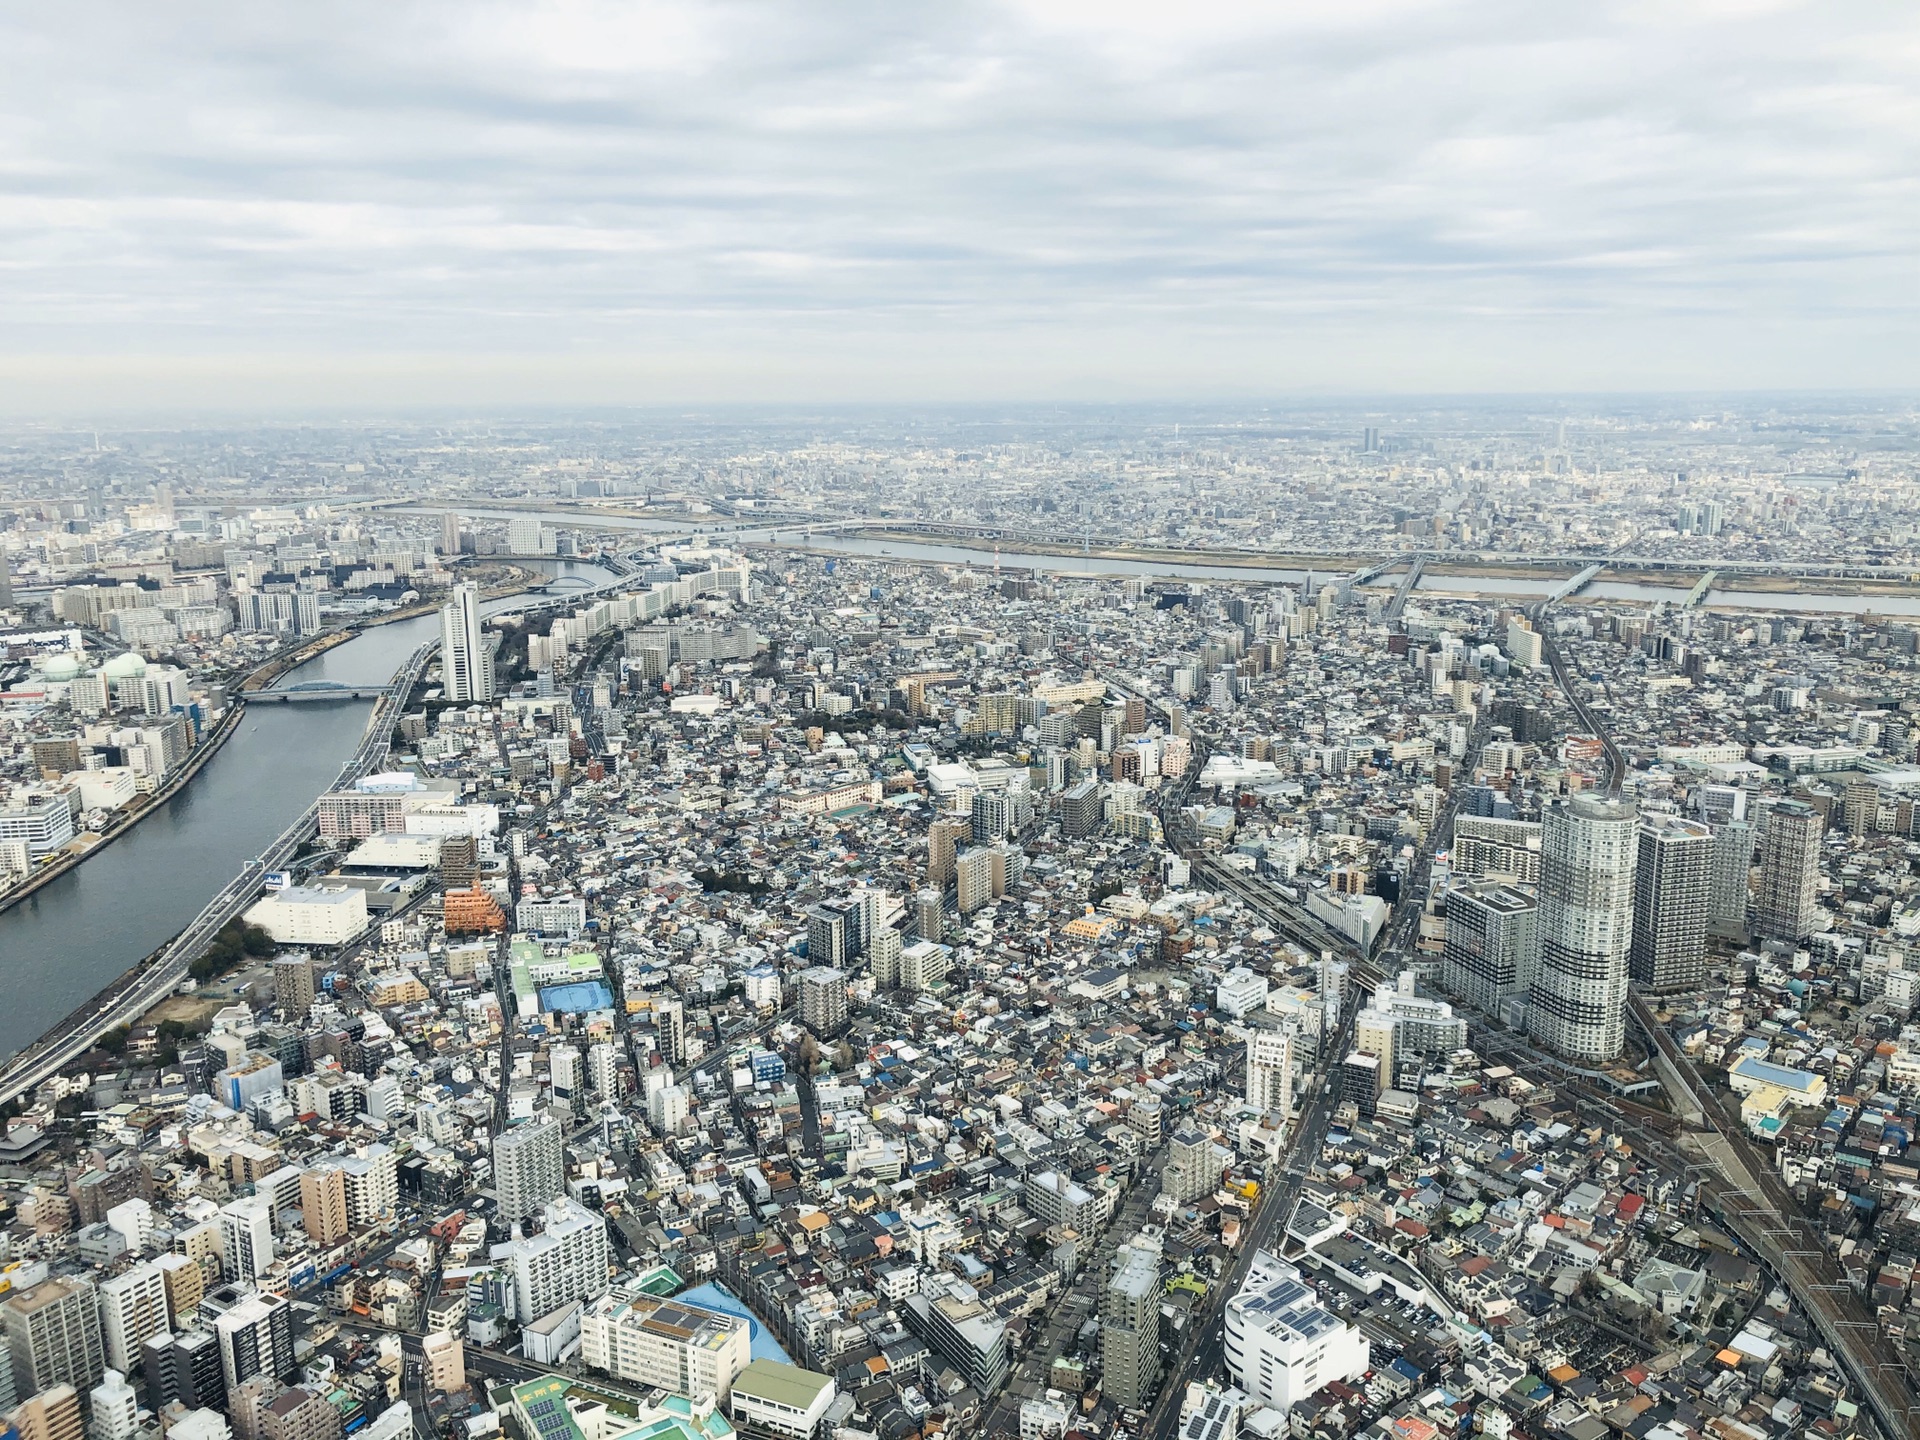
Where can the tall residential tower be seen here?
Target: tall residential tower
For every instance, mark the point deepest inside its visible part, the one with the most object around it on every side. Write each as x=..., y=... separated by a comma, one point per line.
x=1588, y=848
x=466, y=665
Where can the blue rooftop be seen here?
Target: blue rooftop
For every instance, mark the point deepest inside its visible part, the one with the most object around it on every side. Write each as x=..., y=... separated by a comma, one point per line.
x=715, y=1296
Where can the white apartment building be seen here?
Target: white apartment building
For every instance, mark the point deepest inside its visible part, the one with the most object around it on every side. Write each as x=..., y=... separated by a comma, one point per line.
x=133, y=1309
x=1588, y=851
x=684, y=1348
x=312, y=915
x=1281, y=1344
x=566, y=1261
x=1240, y=992
x=1270, y=1071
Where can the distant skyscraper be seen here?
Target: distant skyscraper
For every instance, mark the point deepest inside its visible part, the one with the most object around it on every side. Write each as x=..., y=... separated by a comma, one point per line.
x=1732, y=867
x=529, y=1167
x=466, y=666
x=1789, y=872
x=1672, y=896
x=1579, y=1002
x=1493, y=945
x=450, y=533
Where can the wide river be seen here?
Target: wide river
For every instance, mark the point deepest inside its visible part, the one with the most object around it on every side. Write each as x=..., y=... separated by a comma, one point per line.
x=71, y=938
x=1439, y=586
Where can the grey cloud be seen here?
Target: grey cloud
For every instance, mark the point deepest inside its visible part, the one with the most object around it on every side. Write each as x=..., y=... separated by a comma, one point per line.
x=943, y=199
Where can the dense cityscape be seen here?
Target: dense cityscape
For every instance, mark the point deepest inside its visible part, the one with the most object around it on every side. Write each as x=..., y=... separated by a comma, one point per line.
x=1315, y=923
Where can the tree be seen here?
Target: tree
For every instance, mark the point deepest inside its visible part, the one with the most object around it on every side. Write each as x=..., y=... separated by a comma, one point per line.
x=235, y=941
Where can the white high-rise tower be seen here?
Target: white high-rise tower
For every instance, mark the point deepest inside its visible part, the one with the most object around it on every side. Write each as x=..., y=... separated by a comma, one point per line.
x=1588, y=847
x=466, y=666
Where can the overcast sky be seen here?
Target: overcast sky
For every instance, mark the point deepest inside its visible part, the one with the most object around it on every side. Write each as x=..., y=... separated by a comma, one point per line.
x=263, y=205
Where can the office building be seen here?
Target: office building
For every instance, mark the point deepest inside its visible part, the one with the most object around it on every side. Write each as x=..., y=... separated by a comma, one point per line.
x=466, y=663
x=671, y=1344
x=1055, y=1199
x=1784, y=906
x=670, y=1029
x=1493, y=946
x=992, y=816
x=186, y=1283
x=1407, y=1023
x=1270, y=1071
x=53, y=1335
x=566, y=1261
x=1578, y=1004
x=929, y=913
x=293, y=985
x=1194, y=1166
x=323, y=1203
x=1732, y=877
x=1362, y=1080
x=1486, y=847
x=450, y=533
x=973, y=879
x=884, y=951
x=1080, y=808
x=133, y=1309
x=529, y=1166
x=1524, y=645
x=372, y=1177
x=298, y=1413
x=1672, y=903
x=53, y=1414
x=821, y=991
x=772, y=1400
x=278, y=612
x=1373, y=1035
x=246, y=1239
x=948, y=1315
x=944, y=838
x=1281, y=1344
x=256, y=1338
x=530, y=537
x=1130, y=1328
x=185, y=1367
x=829, y=935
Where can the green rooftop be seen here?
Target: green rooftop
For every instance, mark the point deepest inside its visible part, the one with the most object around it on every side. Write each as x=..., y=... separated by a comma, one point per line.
x=780, y=1383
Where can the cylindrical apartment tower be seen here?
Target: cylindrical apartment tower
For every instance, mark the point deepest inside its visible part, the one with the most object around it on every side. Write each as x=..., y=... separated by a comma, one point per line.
x=1579, y=1003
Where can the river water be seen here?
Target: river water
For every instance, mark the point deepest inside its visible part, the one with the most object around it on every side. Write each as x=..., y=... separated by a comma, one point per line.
x=71, y=938
x=1438, y=586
